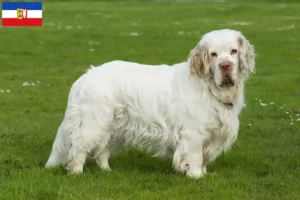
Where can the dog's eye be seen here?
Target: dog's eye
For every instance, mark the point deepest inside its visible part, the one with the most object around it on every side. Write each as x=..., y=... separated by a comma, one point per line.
x=213, y=54
x=233, y=51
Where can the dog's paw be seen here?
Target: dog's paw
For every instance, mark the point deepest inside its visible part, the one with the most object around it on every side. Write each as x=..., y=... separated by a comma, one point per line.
x=195, y=173
x=182, y=168
x=204, y=170
x=106, y=168
x=73, y=169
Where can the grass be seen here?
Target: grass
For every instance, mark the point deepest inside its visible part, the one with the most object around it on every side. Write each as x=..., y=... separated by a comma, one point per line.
x=264, y=163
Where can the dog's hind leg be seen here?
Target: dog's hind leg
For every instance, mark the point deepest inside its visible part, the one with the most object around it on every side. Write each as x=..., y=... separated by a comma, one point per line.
x=102, y=154
x=81, y=143
x=91, y=135
x=79, y=149
x=102, y=157
x=76, y=160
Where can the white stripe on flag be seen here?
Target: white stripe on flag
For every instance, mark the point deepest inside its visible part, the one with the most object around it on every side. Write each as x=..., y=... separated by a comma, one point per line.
x=13, y=14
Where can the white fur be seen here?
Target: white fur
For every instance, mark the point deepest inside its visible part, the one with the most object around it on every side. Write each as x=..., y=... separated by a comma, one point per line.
x=166, y=110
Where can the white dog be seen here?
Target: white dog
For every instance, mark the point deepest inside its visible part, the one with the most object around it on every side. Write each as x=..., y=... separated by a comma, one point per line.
x=188, y=111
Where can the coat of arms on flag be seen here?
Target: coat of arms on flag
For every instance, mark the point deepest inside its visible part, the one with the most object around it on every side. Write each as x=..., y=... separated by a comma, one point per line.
x=21, y=13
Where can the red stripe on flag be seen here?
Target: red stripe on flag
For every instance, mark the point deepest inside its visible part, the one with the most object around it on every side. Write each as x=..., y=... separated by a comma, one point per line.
x=22, y=22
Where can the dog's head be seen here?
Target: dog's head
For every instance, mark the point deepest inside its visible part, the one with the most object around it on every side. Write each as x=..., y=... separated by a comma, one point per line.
x=224, y=56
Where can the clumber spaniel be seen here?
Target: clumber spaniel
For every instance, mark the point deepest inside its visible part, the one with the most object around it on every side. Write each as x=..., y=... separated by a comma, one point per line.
x=188, y=111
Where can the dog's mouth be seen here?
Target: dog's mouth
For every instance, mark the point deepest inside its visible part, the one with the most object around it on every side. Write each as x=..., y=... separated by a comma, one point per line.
x=227, y=82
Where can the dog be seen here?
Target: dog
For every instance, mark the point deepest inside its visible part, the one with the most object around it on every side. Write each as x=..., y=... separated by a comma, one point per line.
x=188, y=111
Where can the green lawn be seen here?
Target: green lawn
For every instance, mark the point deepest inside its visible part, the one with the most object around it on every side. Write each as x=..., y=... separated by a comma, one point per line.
x=264, y=163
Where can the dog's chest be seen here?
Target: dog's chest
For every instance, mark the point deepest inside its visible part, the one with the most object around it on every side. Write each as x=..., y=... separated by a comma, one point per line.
x=222, y=132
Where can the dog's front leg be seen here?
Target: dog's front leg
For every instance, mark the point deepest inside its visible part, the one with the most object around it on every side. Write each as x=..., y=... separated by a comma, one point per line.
x=188, y=157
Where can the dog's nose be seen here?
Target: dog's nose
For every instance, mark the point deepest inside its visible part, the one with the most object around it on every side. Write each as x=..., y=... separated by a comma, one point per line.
x=225, y=66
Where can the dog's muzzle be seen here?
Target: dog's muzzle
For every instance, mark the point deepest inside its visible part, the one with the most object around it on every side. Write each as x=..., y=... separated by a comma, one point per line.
x=227, y=82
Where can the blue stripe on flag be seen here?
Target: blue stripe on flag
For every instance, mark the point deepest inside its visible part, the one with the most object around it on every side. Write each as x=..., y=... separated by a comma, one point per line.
x=27, y=5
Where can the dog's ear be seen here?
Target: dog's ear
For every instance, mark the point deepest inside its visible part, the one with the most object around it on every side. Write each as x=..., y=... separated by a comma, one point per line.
x=199, y=61
x=246, y=54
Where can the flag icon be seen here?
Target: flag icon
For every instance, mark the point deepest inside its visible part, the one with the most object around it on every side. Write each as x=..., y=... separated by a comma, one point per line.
x=21, y=13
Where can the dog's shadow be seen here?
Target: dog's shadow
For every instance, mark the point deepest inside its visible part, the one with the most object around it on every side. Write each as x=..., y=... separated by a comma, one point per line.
x=133, y=160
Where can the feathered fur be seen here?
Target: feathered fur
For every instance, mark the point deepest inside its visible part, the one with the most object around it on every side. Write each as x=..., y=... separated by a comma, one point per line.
x=177, y=111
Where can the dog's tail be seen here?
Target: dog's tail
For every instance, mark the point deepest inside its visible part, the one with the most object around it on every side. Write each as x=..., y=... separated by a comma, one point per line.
x=60, y=148
x=68, y=127
x=62, y=143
